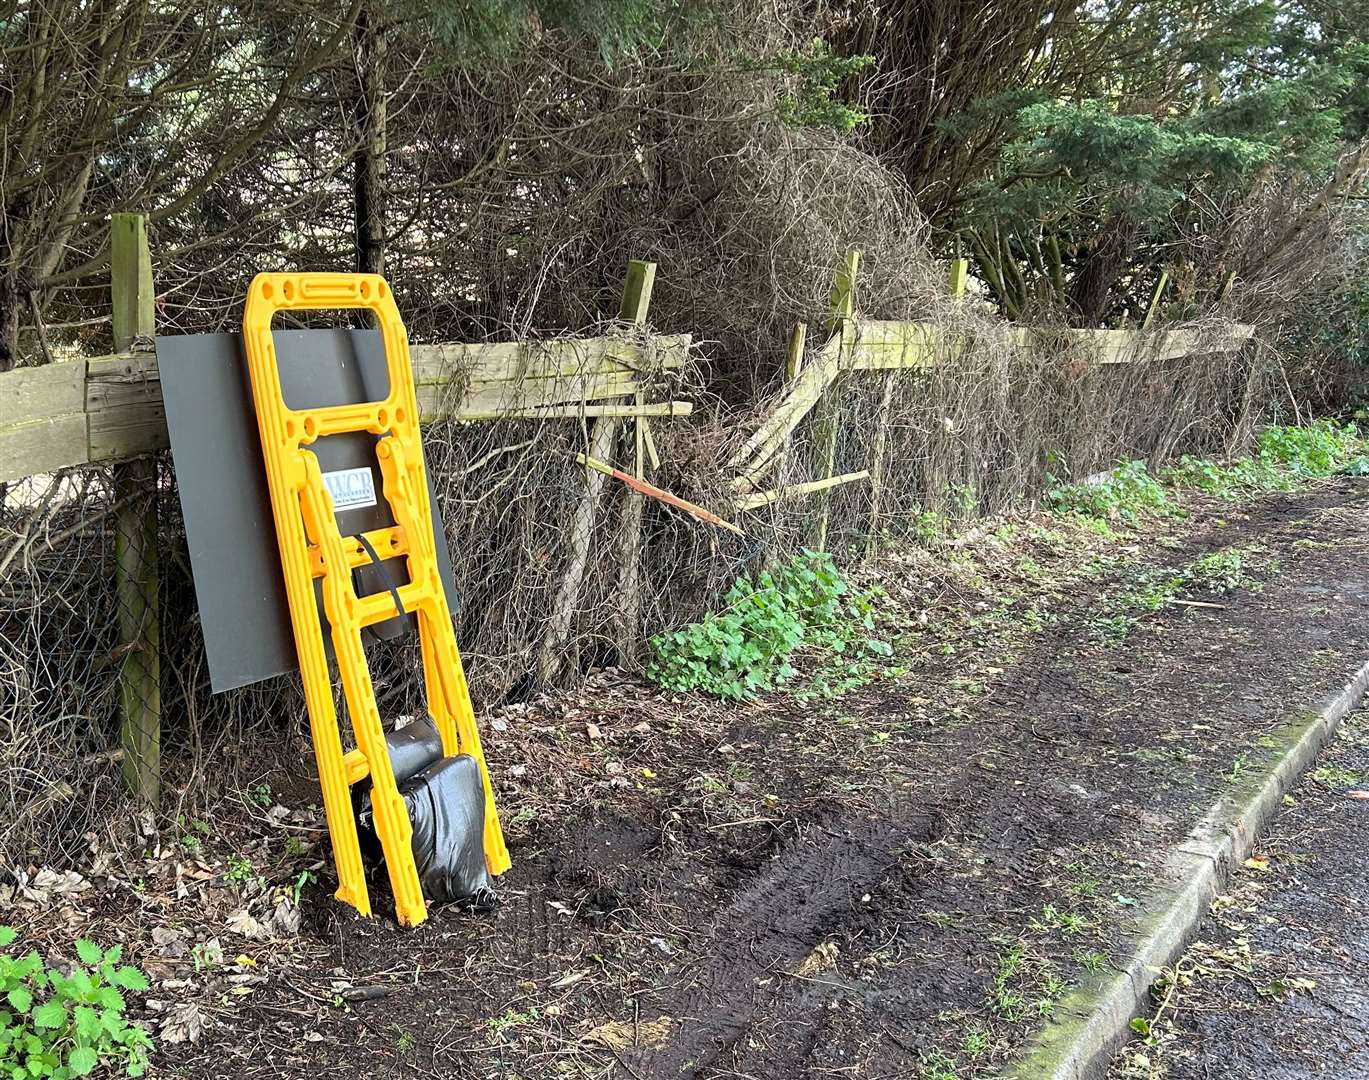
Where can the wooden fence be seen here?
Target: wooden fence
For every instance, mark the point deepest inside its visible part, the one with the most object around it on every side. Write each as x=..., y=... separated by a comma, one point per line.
x=109, y=409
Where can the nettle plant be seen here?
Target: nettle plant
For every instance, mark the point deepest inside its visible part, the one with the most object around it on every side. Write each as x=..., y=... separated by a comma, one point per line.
x=745, y=647
x=56, y=1024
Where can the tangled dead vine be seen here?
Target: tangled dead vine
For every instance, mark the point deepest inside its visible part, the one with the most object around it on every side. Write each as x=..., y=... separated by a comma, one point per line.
x=746, y=219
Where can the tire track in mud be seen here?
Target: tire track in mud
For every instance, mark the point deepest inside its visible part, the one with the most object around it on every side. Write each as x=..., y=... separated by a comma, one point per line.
x=808, y=892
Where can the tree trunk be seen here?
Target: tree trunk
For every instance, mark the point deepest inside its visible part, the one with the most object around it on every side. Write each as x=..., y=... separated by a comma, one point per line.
x=369, y=160
x=1091, y=292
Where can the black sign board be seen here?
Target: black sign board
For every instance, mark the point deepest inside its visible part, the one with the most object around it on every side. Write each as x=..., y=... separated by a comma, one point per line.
x=221, y=479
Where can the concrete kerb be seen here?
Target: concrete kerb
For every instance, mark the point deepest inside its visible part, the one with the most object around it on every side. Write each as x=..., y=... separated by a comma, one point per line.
x=1092, y=1021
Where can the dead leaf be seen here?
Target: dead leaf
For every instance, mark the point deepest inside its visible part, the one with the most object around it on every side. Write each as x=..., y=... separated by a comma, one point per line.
x=570, y=978
x=1258, y=863
x=822, y=958
x=185, y=1022
x=592, y=730
x=620, y=1034
x=285, y=919
x=244, y=923
x=47, y=883
x=171, y=941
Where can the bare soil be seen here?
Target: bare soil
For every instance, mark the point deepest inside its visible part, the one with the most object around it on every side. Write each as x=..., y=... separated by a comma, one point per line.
x=875, y=873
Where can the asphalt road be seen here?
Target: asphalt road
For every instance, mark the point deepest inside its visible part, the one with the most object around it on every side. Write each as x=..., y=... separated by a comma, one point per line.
x=1276, y=985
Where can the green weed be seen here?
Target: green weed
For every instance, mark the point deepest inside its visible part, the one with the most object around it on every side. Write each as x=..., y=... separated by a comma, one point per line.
x=975, y=1044
x=57, y=1024
x=1128, y=491
x=512, y=1018
x=1091, y=960
x=1006, y=1000
x=745, y=648
x=239, y=870
x=1336, y=776
x=938, y=1065
x=1219, y=571
x=1308, y=450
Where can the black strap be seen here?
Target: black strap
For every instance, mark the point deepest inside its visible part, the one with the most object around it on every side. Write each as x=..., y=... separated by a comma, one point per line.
x=375, y=559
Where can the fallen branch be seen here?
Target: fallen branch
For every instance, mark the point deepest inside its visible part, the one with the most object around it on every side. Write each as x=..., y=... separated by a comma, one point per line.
x=657, y=493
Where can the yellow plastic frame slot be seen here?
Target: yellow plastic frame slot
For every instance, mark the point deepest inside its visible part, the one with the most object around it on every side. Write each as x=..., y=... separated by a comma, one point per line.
x=311, y=547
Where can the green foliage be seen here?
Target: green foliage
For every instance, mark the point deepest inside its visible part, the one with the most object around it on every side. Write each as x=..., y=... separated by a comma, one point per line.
x=1308, y=450
x=1127, y=491
x=55, y=1026
x=239, y=870
x=1336, y=776
x=745, y=647
x=1006, y=998
x=818, y=74
x=1102, y=183
x=1218, y=571
x=1283, y=456
x=1226, y=481
x=1136, y=165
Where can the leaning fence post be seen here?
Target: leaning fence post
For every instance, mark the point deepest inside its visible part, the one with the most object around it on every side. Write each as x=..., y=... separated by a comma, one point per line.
x=641, y=277
x=603, y=435
x=1155, y=298
x=136, y=570
x=827, y=413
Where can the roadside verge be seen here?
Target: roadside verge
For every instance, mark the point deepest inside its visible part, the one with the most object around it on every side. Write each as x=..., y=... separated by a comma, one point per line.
x=1091, y=1022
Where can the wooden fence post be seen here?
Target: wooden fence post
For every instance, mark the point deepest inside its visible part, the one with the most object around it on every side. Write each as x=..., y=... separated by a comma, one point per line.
x=603, y=435
x=793, y=368
x=827, y=413
x=1155, y=297
x=136, y=569
x=955, y=282
x=1224, y=294
x=641, y=277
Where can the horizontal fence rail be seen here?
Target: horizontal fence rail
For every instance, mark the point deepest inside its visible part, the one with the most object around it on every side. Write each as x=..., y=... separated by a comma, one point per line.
x=109, y=408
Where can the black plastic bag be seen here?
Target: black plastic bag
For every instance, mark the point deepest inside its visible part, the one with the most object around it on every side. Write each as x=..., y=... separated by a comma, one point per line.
x=445, y=798
x=412, y=749
x=447, y=807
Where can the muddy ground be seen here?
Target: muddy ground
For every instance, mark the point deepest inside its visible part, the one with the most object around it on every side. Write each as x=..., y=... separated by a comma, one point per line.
x=886, y=870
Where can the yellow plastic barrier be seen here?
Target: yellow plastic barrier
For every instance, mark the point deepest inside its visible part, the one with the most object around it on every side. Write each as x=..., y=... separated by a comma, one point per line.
x=312, y=547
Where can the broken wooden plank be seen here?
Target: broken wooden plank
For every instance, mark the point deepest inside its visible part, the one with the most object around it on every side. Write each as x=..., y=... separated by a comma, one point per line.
x=766, y=498
x=758, y=456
